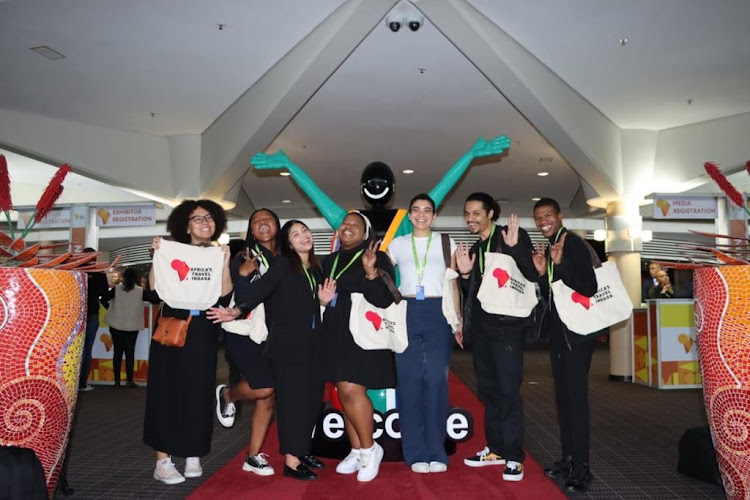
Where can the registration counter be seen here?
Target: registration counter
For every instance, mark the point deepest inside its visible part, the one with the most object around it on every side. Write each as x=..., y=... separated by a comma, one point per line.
x=665, y=354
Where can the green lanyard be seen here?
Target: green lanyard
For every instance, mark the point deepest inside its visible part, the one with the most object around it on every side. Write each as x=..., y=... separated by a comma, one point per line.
x=311, y=280
x=420, y=272
x=487, y=249
x=550, y=264
x=262, y=257
x=336, y=263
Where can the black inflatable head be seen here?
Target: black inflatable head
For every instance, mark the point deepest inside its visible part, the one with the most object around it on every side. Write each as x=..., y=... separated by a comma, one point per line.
x=378, y=184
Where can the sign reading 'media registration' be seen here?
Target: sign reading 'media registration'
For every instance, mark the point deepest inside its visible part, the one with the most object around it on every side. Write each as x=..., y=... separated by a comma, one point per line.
x=684, y=207
x=125, y=215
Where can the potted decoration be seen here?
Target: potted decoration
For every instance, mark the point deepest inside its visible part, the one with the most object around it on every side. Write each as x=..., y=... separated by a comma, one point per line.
x=42, y=320
x=722, y=322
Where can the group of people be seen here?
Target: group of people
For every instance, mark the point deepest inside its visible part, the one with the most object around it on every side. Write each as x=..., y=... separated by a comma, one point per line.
x=307, y=306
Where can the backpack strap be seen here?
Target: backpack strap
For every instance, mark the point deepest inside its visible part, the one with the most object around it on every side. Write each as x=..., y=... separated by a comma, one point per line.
x=445, y=239
x=397, y=297
x=595, y=261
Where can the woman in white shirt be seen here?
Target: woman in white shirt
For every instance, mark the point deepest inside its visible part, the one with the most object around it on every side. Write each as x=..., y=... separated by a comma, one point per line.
x=422, y=368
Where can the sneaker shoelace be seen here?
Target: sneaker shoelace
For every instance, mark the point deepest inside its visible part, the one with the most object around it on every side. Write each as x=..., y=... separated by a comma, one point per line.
x=229, y=409
x=260, y=459
x=365, y=459
x=514, y=466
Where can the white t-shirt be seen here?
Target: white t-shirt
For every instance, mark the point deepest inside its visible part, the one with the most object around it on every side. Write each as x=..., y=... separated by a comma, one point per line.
x=401, y=253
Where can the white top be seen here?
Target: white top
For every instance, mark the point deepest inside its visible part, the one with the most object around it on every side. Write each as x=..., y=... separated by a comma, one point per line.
x=401, y=253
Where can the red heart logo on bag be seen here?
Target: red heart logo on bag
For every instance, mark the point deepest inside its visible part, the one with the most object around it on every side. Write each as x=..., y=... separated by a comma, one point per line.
x=580, y=299
x=374, y=318
x=502, y=277
x=181, y=267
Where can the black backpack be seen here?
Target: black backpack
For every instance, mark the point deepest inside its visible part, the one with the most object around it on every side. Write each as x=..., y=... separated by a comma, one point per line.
x=21, y=474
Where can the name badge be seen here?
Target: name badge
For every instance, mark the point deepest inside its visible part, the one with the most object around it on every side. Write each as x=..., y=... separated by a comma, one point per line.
x=332, y=303
x=420, y=292
x=195, y=312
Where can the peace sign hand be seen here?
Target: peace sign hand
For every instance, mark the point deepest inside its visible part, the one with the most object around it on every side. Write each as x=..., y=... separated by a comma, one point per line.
x=539, y=258
x=556, y=250
x=370, y=258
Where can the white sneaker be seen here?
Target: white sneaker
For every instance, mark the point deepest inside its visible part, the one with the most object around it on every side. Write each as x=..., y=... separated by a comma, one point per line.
x=420, y=467
x=350, y=464
x=513, y=471
x=167, y=473
x=484, y=458
x=193, y=467
x=225, y=410
x=258, y=464
x=438, y=467
x=371, y=459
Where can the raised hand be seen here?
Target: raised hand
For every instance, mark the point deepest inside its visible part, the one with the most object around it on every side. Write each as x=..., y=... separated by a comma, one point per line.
x=227, y=254
x=370, y=258
x=556, y=250
x=495, y=146
x=539, y=258
x=464, y=261
x=511, y=235
x=263, y=161
x=250, y=265
x=155, y=243
x=221, y=315
x=326, y=291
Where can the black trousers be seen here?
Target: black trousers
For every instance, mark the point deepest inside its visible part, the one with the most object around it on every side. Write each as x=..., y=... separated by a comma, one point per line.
x=571, y=361
x=299, y=391
x=498, y=362
x=124, y=343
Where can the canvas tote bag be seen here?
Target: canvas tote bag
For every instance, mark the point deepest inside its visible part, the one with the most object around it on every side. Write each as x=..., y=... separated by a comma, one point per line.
x=585, y=315
x=374, y=328
x=253, y=325
x=188, y=276
x=504, y=289
x=449, y=281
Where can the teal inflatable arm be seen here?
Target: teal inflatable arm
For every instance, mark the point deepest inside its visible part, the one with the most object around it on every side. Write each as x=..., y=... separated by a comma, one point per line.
x=332, y=213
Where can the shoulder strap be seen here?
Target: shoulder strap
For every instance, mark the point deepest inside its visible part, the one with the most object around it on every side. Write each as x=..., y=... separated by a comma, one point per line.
x=391, y=286
x=595, y=261
x=445, y=239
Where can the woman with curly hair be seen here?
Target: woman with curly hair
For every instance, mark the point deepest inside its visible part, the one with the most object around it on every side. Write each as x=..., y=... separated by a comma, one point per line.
x=181, y=380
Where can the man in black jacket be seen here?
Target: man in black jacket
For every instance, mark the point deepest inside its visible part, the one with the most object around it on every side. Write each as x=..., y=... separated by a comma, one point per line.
x=567, y=258
x=498, y=340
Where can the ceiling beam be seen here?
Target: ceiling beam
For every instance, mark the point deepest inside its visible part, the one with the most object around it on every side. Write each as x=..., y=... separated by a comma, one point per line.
x=252, y=123
x=588, y=140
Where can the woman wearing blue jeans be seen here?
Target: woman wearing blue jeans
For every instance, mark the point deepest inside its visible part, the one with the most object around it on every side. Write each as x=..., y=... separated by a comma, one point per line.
x=422, y=369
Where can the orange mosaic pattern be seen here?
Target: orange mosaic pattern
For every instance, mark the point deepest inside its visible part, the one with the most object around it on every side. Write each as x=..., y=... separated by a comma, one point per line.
x=722, y=321
x=42, y=320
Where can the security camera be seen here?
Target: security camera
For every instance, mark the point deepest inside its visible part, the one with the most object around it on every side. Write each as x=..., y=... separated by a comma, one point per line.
x=414, y=21
x=394, y=21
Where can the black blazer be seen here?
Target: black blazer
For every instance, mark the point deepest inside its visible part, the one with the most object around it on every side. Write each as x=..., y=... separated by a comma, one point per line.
x=293, y=332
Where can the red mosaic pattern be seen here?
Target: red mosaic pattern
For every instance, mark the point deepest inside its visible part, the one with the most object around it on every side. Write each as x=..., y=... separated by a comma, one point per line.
x=722, y=321
x=42, y=320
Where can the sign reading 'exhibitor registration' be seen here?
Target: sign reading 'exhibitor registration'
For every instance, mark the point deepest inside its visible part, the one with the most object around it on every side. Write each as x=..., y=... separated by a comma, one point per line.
x=130, y=215
x=684, y=207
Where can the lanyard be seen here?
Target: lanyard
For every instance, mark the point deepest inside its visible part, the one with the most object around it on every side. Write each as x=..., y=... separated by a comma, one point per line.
x=262, y=257
x=336, y=263
x=420, y=272
x=311, y=280
x=550, y=263
x=487, y=249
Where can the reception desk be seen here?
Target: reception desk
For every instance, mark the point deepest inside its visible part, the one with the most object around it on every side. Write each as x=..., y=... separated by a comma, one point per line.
x=665, y=354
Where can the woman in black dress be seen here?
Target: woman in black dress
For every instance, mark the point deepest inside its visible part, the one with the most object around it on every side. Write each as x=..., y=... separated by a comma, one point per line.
x=181, y=380
x=292, y=286
x=352, y=369
x=261, y=248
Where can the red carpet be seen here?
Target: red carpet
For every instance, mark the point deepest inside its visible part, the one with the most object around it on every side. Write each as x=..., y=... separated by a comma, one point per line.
x=395, y=480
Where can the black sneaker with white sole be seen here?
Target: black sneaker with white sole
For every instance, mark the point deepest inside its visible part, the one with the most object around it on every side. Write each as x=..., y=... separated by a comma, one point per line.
x=225, y=410
x=258, y=464
x=513, y=471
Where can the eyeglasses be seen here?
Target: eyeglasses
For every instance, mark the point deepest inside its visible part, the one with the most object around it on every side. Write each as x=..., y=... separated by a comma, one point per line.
x=199, y=219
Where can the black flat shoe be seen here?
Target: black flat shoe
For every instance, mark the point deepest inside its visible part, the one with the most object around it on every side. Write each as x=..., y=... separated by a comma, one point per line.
x=312, y=462
x=302, y=473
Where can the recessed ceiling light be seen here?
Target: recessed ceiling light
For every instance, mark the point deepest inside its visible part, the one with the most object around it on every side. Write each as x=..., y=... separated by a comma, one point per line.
x=542, y=174
x=623, y=41
x=535, y=199
x=286, y=201
x=284, y=174
x=48, y=52
x=408, y=171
